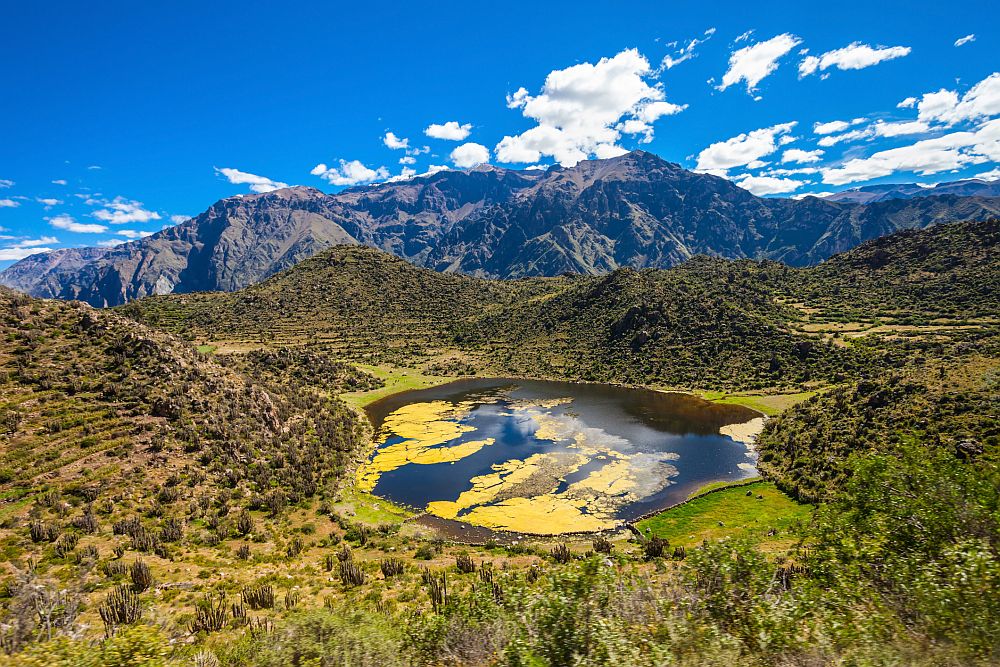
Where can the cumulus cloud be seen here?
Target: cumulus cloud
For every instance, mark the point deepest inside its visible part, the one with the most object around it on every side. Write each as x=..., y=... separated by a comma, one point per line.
x=742, y=149
x=948, y=107
x=768, y=185
x=394, y=142
x=9, y=203
x=898, y=129
x=470, y=155
x=48, y=202
x=256, y=183
x=178, y=219
x=929, y=156
x=71, y=225
x=583, y=110
x=801, y=156
x=120, y=211
x=407, y=159
x=852, y=56
x=110, y=243
x=352, y=172
x=753, y=63
x=450, y=131
x=991, y=175
x=908, y=103
x=962, y=41
x=5, y=183
x=835, y=126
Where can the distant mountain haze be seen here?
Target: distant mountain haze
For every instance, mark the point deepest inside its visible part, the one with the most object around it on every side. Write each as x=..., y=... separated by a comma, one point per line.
x=636, y=210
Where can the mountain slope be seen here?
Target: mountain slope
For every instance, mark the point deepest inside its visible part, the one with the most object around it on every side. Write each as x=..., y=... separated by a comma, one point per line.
x=98, y=400
x=636, y=211
x=707, y=322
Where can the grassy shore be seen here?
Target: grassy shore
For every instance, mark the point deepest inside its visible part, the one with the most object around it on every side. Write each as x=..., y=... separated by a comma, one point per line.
x=757, y=510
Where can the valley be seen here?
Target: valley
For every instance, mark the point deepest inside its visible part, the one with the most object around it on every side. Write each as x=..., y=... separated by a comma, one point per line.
x=211, y=457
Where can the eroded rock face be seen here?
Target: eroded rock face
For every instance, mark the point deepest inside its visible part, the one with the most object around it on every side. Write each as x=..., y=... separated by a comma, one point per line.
x=636, y=210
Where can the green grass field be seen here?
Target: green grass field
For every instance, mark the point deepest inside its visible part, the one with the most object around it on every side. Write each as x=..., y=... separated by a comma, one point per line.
x=396, y=380
x=729, y=512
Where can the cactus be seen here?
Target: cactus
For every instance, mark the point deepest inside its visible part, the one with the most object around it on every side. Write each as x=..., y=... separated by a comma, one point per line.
x=465, y=564
x=603, y=545
x=654, y=547
x=142, y=577
x=437, y=588
x=351, y=574
x=391, y=567
x=561, y=553
x=121, y=607
x=259, y=597
x=211, y=614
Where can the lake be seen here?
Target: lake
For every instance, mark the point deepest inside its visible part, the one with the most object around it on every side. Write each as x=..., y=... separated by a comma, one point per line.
x=542, y=457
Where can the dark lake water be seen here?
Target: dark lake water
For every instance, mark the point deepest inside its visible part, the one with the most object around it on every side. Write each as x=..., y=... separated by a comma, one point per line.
x=549, y=457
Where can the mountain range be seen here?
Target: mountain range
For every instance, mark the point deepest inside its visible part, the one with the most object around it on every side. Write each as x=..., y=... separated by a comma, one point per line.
x=868, y=194
x=636, y=210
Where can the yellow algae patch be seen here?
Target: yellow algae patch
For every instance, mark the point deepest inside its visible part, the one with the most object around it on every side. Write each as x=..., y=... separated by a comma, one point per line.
x=412, y=451
x=487, y=487
x=548, y=514
x=430, y=424
x=426, y=428
x=746, y=432
x=612, y=479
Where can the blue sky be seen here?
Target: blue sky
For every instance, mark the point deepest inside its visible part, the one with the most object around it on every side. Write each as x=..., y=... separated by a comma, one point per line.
x=117, y=118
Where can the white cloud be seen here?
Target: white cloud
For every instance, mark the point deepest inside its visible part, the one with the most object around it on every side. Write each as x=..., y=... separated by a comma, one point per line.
x=16, y=253
x=686, y=52
x=349, y=173
x=801, y=156
x=406, y=174
x=394, y=142
x=256, y=183
x=991, y=175
x=470, y=155
x=5, y=183
x=582, y=110
x=962, y=41
x=853, y=135
x=898, y=129
x=742, y=149
x=178, y=219
x=798, y=171
x=48, y=201
x=768, y=185
x=928, y=156
x=908, y=103
x=450, y=131
x=110, y=243
x=33, y=243
x=9, y=203
x=752, y=63
x=946, y=106
x=120, y=211
x=852, y=56
x=59, y=181
x=836, y=125
x=133, y=233
x=70, y=225
x=407, y=159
